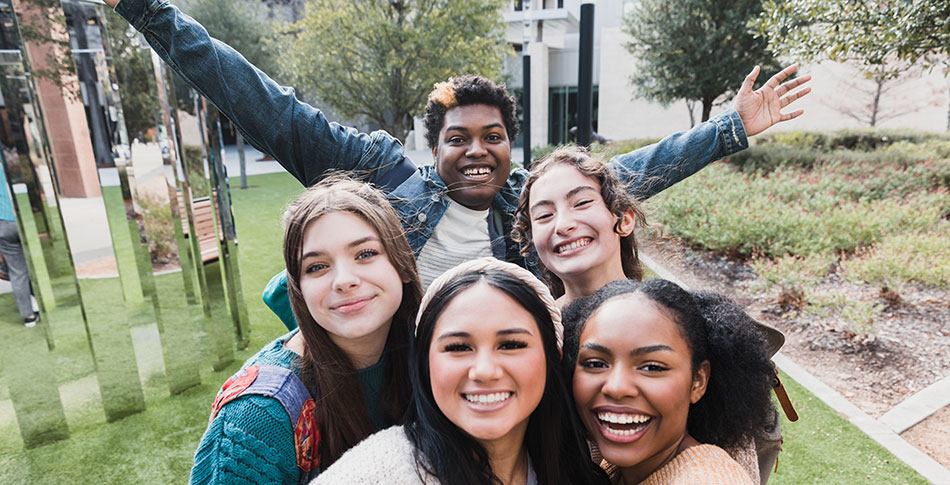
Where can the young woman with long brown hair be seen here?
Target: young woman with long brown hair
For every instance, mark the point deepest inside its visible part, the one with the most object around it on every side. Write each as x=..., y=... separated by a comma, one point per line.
x=343, y=374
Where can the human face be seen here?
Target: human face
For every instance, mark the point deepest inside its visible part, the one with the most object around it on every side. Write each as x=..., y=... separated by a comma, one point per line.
x=473, y=157
x=573, y=230
x=633, y=383
x=348, y=282
x=487, y=369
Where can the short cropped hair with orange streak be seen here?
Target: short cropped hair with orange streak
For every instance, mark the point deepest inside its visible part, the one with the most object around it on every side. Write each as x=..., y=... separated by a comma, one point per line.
x=463, y=91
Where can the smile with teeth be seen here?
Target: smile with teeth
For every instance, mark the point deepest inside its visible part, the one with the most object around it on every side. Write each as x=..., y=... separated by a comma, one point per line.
x=622, y=424
x=573, y=245
x=493, y=398
x=476, y=171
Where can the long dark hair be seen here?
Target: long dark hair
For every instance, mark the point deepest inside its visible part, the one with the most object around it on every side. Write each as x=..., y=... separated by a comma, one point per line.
x=612, y=190
x=341, y=412
x=553, y=439
x=737, y=401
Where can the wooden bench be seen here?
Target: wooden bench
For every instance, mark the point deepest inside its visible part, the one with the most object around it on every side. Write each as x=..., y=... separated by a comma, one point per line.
x=204, y=226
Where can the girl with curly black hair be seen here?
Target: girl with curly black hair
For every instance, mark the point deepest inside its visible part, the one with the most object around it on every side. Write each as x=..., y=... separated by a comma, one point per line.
x=664, y=379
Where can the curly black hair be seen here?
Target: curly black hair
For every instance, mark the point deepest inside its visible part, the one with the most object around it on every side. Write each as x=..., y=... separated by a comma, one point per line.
x=737, y=403
x=463, y=91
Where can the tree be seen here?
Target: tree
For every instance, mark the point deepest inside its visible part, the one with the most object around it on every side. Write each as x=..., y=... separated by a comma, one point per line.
x=380, y=59
x=241, y=24
x=132, y=63
x=870, y=32
x=869, y=91
x=696, y=50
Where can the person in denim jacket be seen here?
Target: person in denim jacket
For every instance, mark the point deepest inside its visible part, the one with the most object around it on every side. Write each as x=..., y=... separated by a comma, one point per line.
x=470, y=123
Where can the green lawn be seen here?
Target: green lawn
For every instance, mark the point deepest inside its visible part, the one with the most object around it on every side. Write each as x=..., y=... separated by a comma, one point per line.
x=156, y=446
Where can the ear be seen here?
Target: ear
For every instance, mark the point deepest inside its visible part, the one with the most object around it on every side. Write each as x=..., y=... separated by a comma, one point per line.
x=698, y=388
x=435, y=158
x=626, y=223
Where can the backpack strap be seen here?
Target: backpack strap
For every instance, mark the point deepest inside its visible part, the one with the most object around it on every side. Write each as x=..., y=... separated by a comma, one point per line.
x=283, y=385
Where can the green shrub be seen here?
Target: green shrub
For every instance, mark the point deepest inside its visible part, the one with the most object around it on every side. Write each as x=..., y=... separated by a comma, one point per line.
x=159, y=228
x=919, y=257
x=607, y=151
x=537, y=153
x=791, y=211
x=860, y=139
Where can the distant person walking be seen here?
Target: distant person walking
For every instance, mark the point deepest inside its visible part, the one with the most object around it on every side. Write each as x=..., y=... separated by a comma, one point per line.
x=14, y=264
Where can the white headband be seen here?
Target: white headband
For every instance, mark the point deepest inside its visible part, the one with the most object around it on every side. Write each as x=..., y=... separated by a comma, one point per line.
x=492, y=264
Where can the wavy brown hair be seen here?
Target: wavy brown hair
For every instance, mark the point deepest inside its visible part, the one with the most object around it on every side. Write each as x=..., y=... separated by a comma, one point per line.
x=616, y=197
x=327, y=371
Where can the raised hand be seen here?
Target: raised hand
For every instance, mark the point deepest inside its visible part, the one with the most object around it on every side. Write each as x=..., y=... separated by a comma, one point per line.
x=762, y=108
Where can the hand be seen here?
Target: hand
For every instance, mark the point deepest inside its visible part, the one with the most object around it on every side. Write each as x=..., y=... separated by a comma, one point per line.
x=761, y=109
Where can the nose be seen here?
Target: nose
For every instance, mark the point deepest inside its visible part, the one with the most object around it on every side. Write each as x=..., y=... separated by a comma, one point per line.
x=565, y=223
x=476, y=149
x=485, y=367
x=619, y=384
x=345, y=277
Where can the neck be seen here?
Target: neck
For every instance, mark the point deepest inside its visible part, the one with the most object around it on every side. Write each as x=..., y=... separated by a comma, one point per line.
x=508, y=459
x=641, y=471
x=364, y=351
x=586, y=284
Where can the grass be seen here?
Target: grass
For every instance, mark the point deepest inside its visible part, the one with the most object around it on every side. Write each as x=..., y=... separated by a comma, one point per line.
x=156, y=446
x=823, y=447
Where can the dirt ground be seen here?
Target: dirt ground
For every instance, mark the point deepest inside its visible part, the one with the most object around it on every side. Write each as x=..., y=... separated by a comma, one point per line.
x=908, y=350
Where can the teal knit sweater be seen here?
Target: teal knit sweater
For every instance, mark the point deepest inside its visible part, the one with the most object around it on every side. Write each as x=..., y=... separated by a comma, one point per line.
x=252, y=441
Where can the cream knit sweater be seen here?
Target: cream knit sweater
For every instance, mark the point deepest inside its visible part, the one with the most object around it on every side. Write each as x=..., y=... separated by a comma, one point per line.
x=384, y=458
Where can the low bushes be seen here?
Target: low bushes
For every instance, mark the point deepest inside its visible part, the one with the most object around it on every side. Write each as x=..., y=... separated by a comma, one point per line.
x=877, y=213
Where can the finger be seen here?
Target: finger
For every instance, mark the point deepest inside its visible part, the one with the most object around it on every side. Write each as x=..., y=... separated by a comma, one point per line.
x=793, y=114
x=749, y=80
x=790, y=85
x=775, y=80
x=787, y=100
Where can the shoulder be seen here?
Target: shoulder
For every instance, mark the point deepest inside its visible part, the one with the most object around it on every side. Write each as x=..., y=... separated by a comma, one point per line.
x=274, y=353
x=384, y=457
x=250, y=436
x=700, y=464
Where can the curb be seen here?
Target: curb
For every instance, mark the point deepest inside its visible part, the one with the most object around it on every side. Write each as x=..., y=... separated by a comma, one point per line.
x=919, y=406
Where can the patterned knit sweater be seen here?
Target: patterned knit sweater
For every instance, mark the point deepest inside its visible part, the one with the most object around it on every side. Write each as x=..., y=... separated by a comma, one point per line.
x=251, y=440
x=706, y=464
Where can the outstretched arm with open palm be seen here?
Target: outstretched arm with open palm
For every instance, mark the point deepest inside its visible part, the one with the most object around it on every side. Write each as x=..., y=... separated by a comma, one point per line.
x=762, y=108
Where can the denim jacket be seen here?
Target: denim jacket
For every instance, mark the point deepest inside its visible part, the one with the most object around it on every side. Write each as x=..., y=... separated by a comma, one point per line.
x=305, y=143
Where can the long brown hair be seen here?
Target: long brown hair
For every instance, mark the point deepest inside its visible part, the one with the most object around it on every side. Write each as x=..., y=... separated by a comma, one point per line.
x=327, y=371
x=612, y=190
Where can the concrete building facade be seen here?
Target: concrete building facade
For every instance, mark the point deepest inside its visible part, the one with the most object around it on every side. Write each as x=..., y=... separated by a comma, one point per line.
x=921, y=100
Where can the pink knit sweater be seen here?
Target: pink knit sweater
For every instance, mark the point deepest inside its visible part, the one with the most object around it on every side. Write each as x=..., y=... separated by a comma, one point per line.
x=707, y=464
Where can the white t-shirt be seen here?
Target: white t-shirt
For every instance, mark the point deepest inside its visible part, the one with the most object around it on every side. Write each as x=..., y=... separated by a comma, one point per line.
x=461, y=235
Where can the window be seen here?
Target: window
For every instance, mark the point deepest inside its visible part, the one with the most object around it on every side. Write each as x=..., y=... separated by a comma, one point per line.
x=562, y=113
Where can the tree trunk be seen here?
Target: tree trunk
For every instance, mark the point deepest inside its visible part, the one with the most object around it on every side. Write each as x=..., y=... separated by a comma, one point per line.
x=707, y=108
x=690, y=104
x=876, y=103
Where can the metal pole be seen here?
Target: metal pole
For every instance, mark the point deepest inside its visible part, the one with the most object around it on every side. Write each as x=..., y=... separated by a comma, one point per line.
x=526, y=85
x=585, y=77
x=526, y=111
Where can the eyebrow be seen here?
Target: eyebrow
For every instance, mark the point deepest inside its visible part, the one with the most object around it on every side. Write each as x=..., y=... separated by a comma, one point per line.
x=351, y=245
x=465, y=129
x=509, y=331
x=572, y=193
x=633, y=353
